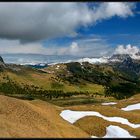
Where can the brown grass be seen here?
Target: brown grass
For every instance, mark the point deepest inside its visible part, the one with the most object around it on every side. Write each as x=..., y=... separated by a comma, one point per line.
x=132, y=100
x=21, y=118
x=97, y=126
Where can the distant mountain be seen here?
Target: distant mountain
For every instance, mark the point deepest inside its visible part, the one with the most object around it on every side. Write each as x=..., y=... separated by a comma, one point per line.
x=33, y=59
x=129, y=65
x=115, y=58
x=123, y=62
x=39, y=65
x=119, y=57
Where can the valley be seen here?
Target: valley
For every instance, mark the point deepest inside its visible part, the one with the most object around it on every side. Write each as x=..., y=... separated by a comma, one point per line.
x=99, y=88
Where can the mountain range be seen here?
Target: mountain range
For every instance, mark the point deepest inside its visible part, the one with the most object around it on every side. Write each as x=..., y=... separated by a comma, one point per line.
x=38, y=93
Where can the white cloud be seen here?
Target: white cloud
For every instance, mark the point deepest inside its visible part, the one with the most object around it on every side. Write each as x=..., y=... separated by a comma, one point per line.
x=78, y=48
x=85, y=48
x=107, y=10
x=94, y=46
x=14, y=46
x=37, y=21
x=128, y=49
x=40, y=21
x=74, y=48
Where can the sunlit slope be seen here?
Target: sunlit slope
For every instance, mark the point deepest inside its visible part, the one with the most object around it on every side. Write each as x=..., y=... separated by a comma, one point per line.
x=79, y=83
x=21, y=118
x=48, y=80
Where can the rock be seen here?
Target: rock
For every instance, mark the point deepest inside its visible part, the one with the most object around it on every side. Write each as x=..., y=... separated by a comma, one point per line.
x=2, y=64
x=1, y=60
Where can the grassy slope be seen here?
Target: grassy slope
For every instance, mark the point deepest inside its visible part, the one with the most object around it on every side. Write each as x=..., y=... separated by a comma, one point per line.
x=45, y=81
x=21, y=118
x=50, y=76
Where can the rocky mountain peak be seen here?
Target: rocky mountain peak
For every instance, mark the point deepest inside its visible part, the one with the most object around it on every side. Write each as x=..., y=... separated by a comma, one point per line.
x=1, y=60
x=119, y=57
x=2, y=64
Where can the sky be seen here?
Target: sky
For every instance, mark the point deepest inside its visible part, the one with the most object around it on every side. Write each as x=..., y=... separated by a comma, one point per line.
x=87, y=29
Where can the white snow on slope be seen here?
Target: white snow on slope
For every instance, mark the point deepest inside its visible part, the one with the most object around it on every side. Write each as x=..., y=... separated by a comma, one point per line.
x=131, y=107
x=86, y=59
x=93, y=60
x=110, y=103
x=94, y=137
x=113, y=131
x=73, y=116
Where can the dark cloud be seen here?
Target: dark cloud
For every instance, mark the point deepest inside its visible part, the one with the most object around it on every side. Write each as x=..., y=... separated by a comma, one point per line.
x=38, y=21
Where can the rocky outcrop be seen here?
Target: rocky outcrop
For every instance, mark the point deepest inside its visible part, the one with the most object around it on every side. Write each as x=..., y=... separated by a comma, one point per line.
x=2, y=64
x=1, y=60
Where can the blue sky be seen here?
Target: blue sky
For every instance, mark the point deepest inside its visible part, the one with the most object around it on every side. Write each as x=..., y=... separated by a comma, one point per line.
x=93, y=29
x=114, y=31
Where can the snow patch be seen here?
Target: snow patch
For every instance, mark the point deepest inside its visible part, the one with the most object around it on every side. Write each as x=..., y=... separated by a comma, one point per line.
x=110, y=103
x=73, y=116
x=131, y=107
x=113, y=131
x=94, y=137
x=93, y=60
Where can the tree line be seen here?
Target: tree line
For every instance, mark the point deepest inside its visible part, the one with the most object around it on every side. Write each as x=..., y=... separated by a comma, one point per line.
x=11, y=87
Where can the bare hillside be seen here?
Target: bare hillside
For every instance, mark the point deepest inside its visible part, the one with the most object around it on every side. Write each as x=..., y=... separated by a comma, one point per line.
x=21, y=118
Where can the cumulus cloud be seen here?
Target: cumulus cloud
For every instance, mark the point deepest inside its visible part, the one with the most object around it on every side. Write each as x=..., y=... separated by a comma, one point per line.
x=74, y=48
x=33, y=22
x=95, y=49
x=85, y=48
x=38, y=21
x=107, y=10
x=14, y=46
x=88, y=48
x=133, y=51
x=128, y=49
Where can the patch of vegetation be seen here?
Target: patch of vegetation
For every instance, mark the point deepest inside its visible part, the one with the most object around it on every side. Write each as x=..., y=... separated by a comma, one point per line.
x=116, y=83
x=23, y=97
x=76, y=101
x=12, y=88
x=122, y=90
x=56, y=85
